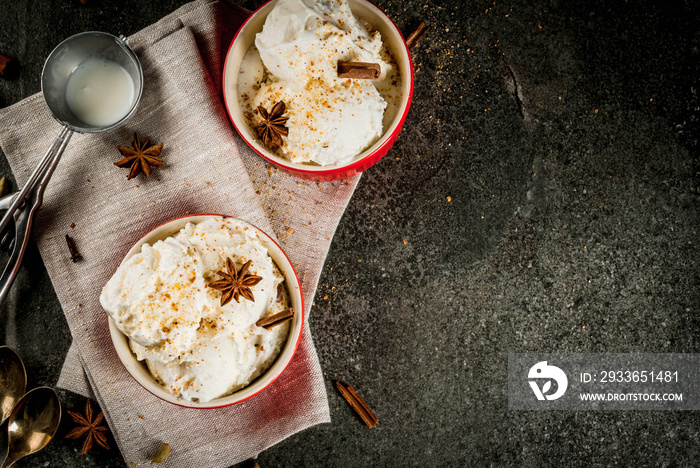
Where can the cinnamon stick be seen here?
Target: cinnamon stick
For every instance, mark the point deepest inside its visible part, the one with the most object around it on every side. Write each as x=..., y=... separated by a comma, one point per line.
x=417, y=35
x=277, y=319
x=358, y=70
x=358, y=404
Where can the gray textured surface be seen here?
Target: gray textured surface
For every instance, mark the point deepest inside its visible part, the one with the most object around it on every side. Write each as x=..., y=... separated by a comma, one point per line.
x=572, y=226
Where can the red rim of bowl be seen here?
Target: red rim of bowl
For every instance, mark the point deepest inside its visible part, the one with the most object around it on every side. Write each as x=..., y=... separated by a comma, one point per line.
x=341, y=172
x=296, y=345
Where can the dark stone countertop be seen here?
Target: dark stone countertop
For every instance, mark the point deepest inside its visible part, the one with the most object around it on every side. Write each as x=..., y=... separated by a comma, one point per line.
x=542, y=197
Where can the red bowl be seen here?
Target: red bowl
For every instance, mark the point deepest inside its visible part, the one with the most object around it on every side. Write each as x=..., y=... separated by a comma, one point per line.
x=392, y=38
x=138, y=369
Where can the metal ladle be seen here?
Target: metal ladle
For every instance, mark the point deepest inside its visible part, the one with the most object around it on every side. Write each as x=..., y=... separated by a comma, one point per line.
x=32, y=424
x=13, y=380
x=61, y=63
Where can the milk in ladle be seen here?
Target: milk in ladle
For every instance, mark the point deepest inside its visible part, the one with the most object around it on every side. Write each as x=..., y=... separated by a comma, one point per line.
x=100, y=92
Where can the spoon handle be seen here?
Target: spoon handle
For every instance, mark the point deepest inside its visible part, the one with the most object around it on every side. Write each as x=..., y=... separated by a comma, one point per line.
x=38, y=172
x=33, y=194
x=10, y=460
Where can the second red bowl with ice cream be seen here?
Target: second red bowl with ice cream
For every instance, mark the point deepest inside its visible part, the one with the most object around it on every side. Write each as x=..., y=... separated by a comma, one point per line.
x=167, y=296
x=396, y=91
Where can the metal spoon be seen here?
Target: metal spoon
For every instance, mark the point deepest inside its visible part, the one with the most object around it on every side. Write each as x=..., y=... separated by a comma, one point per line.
x=13, y=380
x=32, y=424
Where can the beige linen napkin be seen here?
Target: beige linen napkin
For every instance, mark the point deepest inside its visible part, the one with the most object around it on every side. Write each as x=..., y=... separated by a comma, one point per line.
x=208, y=169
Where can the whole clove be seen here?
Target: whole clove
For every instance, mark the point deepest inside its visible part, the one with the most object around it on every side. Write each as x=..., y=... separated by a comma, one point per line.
x=74, y=254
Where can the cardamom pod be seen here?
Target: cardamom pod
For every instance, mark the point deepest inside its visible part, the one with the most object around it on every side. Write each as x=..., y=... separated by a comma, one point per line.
x=161, y=454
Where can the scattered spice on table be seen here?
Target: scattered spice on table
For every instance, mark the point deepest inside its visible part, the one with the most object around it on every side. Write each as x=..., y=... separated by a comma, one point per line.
x=140, y=157
x=358, y=404
x=90, y=428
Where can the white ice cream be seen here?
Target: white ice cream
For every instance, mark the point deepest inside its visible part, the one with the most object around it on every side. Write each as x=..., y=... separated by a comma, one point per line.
x=197, y=349
x=331, y=119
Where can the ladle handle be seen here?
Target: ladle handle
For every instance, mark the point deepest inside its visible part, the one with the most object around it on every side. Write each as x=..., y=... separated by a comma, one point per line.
x=29, y=185
x=25, y=216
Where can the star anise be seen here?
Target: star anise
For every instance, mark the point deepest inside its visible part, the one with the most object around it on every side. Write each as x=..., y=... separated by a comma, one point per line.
x=235, y=284
x=141, y=157
x=89, y=428
x=272, y=126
